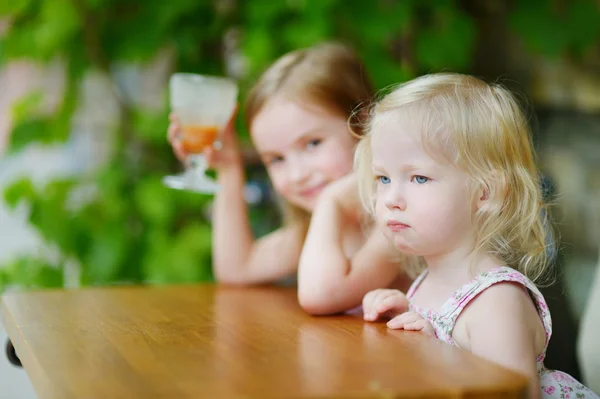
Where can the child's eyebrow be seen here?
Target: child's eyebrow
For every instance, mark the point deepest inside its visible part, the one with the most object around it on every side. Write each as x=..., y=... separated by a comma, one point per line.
x=408, y=168
x=268, y=154
x=309, y=132
x=302, y=137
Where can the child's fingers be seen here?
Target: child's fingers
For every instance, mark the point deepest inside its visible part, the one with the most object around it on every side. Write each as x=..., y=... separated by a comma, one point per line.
x=211, y=156
x=173, y=132
x=428, y=329
x=394, y=301
x=229, y=129
x=369, y=304
x=417, y=325
x=179, y=151
x=397, y=323
x=404, y=319
x=381, y=301
x=173, y=117
x=421, y=325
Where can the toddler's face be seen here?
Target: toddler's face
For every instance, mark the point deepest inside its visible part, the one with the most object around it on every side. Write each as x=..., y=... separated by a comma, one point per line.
x=423, y=203
x=304, y=148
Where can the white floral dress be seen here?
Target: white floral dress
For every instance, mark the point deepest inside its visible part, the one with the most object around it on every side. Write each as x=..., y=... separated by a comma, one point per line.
x=554, y=384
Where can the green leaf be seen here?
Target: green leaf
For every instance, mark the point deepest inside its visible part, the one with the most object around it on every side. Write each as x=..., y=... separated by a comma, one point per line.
x=297, y=35
x=152, y=126
x=27, y=105
x=137, y=33
x=13, y=8
x=60, y=127
x=540, y=27
x=19, y=42
x=258, y=48
x=32, y=272
x=98, y=4
x=4, y=280
x=182, y=259
x=31, y=127
x=582, y=24
x=20, y=190
x=448, y=44
x=51, y=217
x=58, y=23
x=27, y=132
x=265, y=11
x=384, y=21
x=106, y=254
x=152, y=200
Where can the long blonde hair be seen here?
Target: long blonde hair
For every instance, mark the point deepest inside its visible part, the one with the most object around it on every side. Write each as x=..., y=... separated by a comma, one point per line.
x=481, y=129
x=328, y=75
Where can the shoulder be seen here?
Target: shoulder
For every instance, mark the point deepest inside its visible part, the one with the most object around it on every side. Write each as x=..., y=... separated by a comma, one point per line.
x=501, y=301
x=503, y=295
x=504, y=311
x=502, y=325
x=502, y=292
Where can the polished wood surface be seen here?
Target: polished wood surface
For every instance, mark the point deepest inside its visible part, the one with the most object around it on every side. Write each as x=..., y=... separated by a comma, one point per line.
x=206, y=341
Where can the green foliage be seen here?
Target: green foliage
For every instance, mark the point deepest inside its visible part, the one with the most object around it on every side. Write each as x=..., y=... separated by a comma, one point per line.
x=119, y=223
x=31, y=272
x=557, y=30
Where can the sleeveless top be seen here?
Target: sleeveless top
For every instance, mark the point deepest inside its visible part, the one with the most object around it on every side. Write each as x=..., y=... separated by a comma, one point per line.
x=554, y=384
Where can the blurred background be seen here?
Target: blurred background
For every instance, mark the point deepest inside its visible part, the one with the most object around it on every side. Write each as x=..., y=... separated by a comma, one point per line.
x=83, y=119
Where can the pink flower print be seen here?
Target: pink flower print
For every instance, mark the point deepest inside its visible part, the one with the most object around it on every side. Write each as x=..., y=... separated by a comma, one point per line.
x=549, y=390
x=558, y=377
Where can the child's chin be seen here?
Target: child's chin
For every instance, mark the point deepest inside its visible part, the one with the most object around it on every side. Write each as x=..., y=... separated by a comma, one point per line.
x=405, y=248
x=307, y=206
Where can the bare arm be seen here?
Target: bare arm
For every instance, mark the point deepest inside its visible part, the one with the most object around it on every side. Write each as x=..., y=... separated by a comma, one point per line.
x=503, y=326
x=328, y=280
x=237, y=257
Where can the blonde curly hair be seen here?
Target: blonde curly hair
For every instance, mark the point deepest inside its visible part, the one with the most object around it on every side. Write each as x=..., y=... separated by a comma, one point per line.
x=481, y=129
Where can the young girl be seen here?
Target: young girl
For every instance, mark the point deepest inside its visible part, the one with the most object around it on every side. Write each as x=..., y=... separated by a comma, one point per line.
x=447, y=167
x=297, y=115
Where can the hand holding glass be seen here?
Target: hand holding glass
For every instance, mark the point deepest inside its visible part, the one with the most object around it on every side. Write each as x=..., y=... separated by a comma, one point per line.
x=204, y=105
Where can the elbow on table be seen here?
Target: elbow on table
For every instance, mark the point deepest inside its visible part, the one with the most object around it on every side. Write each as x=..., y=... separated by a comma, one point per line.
x=317, y=301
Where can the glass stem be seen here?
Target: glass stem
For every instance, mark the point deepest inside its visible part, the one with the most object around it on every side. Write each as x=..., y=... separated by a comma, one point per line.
x=197, y=163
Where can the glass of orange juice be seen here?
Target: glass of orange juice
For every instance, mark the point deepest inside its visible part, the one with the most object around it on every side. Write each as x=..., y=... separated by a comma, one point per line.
x=203, y=105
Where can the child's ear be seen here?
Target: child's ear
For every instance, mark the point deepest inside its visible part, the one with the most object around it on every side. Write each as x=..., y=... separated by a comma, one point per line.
x=493, y=192
x=484, y=195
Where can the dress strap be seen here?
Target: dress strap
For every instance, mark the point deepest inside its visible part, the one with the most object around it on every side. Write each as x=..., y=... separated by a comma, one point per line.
x=452, y=309
x=416, y=284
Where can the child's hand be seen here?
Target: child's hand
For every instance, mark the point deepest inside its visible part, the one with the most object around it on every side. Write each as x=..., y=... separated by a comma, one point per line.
x=344, y=192
x=411, y=321
x=384, y=303
x=174, y=137
x=223, y=153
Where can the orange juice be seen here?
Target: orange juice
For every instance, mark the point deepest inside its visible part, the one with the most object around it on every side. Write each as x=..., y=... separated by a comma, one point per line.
x=196, y=138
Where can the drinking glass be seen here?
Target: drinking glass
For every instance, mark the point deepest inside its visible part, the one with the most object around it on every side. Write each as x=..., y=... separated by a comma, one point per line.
x=204, y=105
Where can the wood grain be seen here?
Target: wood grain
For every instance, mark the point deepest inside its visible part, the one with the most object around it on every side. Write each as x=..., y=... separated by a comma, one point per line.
x=206, y=341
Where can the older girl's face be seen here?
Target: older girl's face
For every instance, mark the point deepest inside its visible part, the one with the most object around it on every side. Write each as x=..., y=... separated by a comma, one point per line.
x=304, y=148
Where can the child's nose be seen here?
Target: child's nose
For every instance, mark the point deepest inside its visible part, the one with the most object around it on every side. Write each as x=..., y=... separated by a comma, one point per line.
x=298, y=172
x=395, y=199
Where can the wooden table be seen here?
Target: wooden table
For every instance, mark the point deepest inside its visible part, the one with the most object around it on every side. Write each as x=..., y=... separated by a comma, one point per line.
x=205, y=341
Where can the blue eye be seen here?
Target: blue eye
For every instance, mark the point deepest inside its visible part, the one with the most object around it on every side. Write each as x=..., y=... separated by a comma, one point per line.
x=420, y=179
x=384, y=179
